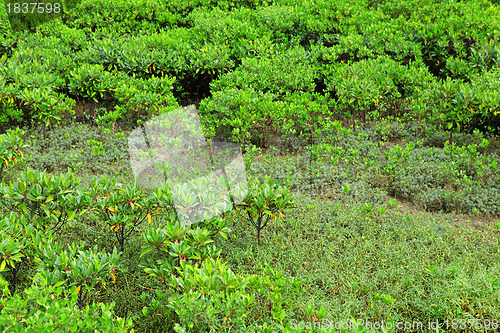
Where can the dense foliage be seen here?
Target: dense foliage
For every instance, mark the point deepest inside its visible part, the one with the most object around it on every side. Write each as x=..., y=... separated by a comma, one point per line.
x=347, y=112
x=279, y=66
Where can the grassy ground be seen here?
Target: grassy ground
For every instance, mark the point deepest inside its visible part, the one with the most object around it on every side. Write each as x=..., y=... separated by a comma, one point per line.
x=358, y=243
x=377, y=263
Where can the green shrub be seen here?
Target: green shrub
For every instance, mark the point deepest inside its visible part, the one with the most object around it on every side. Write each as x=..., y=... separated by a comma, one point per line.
x=375, y=85
x=16, y=248
x=11, y=148
x=122, y=209
x=47, y=306
x=286, y=72
x=40, y=195
x=265, y=201
x=78, y=268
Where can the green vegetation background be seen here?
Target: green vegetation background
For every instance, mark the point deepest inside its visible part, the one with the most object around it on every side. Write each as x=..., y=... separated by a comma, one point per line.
x=382, y=115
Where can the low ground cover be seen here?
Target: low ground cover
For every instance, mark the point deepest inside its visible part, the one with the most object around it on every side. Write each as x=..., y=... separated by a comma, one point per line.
x=347, y=248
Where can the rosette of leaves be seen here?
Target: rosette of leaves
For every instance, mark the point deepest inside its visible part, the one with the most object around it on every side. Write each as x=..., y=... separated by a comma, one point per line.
x=204, y=295
x=167, y=247
x=217, y=225
x=79, y=268
x=201, y=199
x=265, y=202
x=123, y=209
x=11, y=148
x=48, y=305
x=39, y=195
x=158, y=241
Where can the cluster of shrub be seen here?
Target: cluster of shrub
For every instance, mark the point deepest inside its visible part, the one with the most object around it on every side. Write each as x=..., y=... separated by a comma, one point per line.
x=260, y=68
x=48, y=282
x=457, y=177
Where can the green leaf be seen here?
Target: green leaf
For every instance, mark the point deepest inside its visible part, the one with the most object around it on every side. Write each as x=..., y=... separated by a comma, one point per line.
x=71, y=214
x=46, y=210
x=145, y=251
x=24, y=208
